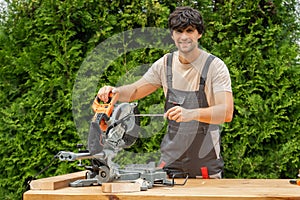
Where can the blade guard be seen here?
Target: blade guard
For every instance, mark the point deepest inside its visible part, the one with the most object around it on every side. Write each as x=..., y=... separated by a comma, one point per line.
x=104, y=109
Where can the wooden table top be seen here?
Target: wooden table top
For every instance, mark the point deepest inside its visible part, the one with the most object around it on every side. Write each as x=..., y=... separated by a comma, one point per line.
x=193, y=189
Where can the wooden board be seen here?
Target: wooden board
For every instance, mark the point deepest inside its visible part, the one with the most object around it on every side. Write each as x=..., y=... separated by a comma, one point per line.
x=56, y=182
x=212, y=189
x=120, y=187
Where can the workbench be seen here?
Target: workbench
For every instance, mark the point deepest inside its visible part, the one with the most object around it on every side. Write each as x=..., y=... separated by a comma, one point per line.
x=56, y=188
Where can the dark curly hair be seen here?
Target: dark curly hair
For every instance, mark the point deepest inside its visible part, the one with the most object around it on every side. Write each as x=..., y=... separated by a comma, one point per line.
x=185, y=16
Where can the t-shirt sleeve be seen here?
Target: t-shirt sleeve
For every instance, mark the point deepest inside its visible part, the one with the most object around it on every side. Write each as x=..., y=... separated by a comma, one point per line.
x=221, y=77
x=154, y=75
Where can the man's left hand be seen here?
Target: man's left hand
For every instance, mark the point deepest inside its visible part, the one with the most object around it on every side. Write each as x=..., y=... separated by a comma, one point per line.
x=180, y=114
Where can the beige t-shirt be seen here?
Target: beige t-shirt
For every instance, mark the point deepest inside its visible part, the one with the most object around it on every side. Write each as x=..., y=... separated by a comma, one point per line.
x=187, y=76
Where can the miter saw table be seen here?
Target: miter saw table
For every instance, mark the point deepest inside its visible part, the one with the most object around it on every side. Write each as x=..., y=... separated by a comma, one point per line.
x=113, y=128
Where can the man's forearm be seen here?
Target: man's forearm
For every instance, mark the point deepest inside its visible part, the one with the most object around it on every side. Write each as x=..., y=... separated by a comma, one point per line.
x=217, y=114
x=136, y=90
x=127, y=93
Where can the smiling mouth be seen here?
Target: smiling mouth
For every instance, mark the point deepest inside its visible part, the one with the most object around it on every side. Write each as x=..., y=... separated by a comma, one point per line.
x=185, y=43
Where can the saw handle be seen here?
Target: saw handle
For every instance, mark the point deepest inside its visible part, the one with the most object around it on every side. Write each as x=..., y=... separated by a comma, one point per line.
x=104, y=109
x=110, y=96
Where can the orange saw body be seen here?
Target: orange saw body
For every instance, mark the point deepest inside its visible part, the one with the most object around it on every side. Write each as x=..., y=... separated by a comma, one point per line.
x=103, y=110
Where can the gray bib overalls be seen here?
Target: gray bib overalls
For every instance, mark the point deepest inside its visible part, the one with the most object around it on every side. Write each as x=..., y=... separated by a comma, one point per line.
x=188, y=146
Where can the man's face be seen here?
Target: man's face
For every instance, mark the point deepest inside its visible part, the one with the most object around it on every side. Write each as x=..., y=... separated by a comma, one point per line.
x=186, y=39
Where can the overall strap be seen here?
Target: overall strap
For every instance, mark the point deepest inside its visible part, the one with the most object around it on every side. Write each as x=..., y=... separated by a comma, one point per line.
x=169, y=70
x=205, y=70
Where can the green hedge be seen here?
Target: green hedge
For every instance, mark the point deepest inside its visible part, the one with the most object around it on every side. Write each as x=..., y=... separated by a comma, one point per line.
x=44, y=44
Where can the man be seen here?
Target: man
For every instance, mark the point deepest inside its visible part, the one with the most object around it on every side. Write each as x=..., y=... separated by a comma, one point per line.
x=198, y=94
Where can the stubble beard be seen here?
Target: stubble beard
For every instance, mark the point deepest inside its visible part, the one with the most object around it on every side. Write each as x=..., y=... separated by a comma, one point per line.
x=189, y=47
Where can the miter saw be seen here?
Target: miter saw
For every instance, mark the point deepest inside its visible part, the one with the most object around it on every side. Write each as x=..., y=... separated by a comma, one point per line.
x=113, y=128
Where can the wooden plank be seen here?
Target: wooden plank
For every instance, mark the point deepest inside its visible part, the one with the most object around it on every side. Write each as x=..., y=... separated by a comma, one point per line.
x=120, y=187
x=56, y=182
x=212, y=189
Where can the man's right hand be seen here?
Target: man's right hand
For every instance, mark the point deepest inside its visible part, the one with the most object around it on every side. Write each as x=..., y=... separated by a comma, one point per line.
x=104, y=92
